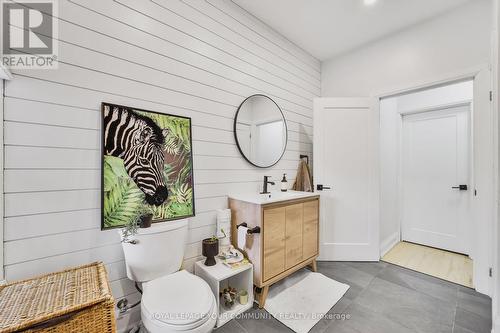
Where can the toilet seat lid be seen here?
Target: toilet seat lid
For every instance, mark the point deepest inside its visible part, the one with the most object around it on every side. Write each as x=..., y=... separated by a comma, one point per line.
x=178, y=299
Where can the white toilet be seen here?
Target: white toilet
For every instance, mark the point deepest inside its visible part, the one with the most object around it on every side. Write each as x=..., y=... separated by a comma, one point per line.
x=172, y=300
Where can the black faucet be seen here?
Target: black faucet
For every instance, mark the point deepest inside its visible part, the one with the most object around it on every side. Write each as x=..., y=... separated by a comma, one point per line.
x=266, y=181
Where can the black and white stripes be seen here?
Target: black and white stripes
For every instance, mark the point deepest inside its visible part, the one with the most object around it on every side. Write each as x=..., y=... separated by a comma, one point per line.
x=138, y=141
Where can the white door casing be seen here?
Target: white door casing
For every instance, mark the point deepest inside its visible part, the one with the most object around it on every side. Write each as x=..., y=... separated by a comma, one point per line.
x=435, y=158
x=484, y=146
x=346, y=159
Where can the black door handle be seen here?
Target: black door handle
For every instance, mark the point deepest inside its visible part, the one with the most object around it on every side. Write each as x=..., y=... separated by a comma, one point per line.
x=321, y=187
x=460, y=187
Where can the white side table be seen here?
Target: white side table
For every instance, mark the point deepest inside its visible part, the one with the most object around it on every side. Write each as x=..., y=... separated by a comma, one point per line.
x=219, y=277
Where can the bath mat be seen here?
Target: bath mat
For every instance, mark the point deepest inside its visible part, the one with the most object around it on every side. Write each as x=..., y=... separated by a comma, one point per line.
x=302, y=299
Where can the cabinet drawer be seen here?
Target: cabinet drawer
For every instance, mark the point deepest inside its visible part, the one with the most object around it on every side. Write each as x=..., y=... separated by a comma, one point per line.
x=274, y=242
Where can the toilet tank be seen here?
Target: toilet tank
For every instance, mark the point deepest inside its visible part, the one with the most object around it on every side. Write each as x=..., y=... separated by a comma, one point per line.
x=158, y=251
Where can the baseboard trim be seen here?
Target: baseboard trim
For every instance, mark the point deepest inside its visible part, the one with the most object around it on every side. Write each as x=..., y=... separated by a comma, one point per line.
x=388, y=243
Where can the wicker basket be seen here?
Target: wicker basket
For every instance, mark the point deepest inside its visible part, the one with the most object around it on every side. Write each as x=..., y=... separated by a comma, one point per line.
x=74, y=300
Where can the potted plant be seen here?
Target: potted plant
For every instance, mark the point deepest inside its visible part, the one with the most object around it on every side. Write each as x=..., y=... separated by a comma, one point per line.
x=145, y=214
x=129, y=230
x=210, y=248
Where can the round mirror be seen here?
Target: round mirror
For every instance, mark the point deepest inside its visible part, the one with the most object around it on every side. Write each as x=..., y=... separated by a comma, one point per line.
x=260, y=131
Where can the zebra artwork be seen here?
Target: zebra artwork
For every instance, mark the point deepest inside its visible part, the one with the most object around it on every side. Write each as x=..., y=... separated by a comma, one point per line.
x=147, y=166
x=138, y=141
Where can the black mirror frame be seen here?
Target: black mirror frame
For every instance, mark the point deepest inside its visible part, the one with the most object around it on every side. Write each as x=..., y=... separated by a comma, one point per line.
x=236, y=136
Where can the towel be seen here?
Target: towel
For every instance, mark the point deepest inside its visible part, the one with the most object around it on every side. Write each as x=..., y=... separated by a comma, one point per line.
x=303, y=180
x=242, y=237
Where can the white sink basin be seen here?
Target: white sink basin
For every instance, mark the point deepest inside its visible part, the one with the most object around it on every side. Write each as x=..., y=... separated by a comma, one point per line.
x=260, y=199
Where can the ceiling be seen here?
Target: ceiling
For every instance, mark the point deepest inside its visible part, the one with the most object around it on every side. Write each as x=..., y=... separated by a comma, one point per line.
x=326, y=28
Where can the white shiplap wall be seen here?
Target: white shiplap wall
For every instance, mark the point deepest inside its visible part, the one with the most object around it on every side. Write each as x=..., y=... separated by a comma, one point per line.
x=193, y=58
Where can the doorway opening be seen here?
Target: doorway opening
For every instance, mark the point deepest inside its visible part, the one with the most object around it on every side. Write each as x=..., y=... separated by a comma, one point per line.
x=427, y=181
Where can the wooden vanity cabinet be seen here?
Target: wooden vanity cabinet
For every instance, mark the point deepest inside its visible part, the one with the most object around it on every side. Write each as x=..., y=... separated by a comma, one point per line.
x=273, y=246
x=287, y=242
x=310, y=244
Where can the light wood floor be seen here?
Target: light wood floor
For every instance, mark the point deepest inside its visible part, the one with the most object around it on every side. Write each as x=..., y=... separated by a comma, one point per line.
x=445, y=265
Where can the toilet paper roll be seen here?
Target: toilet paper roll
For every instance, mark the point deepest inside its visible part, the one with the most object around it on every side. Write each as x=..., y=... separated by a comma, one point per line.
x=242, y=237
x=224, y=214
x=226, y=226
x=224, y=223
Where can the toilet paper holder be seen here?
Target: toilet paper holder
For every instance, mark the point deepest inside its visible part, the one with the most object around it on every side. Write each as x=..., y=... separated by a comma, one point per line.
x=255, y=230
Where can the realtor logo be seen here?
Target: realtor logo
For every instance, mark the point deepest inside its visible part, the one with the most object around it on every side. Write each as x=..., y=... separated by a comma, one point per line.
x=29, y=34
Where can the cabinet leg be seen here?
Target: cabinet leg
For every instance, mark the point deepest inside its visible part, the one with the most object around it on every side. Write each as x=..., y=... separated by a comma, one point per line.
x=263, y=296
x=314, y=266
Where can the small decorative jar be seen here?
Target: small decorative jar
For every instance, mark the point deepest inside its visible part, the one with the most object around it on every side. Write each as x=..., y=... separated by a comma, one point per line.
x=210, y=248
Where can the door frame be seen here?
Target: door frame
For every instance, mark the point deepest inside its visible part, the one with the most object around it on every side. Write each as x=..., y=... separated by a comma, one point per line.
x=482, y=283
x=401, y=114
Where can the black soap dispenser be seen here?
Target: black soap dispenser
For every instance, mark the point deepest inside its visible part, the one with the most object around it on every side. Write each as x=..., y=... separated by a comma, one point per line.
x=284, y=184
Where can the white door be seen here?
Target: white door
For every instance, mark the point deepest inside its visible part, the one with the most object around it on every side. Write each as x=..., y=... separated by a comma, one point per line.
x=436, y=178
x=345, y=160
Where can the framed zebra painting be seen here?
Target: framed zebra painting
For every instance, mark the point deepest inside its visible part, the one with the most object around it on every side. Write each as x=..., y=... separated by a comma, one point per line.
x=147, y=165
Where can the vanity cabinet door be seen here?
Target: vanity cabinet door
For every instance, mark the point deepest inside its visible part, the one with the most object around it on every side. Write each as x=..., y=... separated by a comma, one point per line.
x=293, y=231
x=274, y=242
x=311, y=224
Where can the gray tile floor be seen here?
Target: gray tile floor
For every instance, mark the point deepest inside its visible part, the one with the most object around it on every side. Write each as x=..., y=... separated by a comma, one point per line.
x=385, y=298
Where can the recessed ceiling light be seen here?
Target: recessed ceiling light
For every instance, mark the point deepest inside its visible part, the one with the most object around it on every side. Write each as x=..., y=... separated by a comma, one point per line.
x=370, y=2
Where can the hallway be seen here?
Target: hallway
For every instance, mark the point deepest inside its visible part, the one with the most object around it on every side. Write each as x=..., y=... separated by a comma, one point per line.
x=449, y=266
